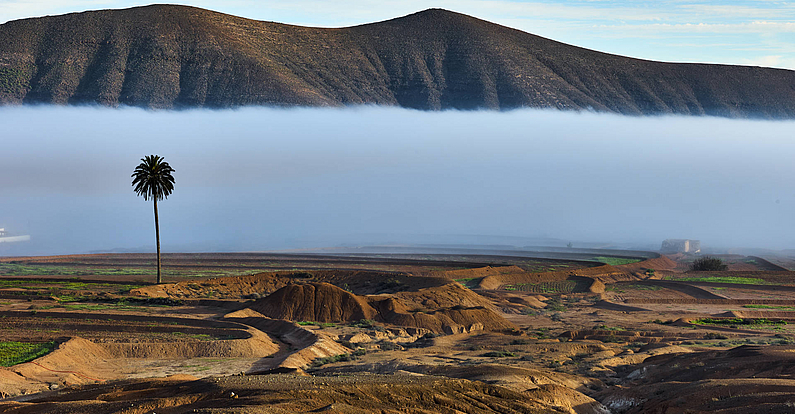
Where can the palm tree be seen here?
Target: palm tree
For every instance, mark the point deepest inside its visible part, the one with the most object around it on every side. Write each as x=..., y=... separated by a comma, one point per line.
x=152, y=179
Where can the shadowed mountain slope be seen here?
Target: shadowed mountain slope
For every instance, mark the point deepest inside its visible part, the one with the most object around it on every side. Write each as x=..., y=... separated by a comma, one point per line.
x=176, y=56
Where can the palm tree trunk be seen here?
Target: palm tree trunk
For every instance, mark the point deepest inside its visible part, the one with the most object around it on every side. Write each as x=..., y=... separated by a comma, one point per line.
x=157, y=236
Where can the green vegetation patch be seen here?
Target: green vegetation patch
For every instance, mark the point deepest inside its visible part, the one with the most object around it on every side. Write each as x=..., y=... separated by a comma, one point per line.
x=470, y=282
x=737, y=322
x=609, y=328
x=16, y=269
x=13, y=353
x=725, y=279
x=614, y=261
x=624, y=288
x=339, y=358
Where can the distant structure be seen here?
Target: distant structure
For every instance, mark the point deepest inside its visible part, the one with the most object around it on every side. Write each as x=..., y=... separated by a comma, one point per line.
x=680, y=246
x=4, y=238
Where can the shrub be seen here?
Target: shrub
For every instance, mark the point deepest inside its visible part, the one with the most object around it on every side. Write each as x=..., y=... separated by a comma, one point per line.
x=339, y=358
x=390, y=346
x=364, y=323
x=708, y=263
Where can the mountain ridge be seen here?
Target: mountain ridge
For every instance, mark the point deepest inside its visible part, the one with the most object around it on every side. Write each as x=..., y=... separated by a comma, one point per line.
x=168, y=56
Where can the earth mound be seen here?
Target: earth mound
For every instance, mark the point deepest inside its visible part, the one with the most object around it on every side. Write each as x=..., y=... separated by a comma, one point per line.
x=75, y=361
x=447, y=296
x=223, y=287
x=739, y=380
x=305, y=345
x=445, y=309
x=356, y=393
x=319, y=302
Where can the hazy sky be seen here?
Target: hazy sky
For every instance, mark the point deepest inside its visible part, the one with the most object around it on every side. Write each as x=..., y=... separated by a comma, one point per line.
x=748, y=32
x=259, y=179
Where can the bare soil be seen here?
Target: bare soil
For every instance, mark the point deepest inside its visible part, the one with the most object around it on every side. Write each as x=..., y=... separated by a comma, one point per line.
x=418, y=338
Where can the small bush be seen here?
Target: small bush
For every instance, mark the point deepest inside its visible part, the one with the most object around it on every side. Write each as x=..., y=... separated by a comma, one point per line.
x=339, y=358
x=364, y=323
x=556, y=306
x=390, y=346
x=707, y=263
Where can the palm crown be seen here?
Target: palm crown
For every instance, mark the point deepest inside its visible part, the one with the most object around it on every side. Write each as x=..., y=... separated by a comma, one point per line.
x=152, y=178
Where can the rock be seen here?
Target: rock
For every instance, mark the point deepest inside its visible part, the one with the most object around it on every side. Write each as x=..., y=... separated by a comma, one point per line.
x=417, y=331
x=476, y=327
x=378, y=335
x=359, y=338
x=454, y=329
x=400, y=332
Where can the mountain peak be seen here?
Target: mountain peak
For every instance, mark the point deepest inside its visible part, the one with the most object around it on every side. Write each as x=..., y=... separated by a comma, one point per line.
x=170, y=56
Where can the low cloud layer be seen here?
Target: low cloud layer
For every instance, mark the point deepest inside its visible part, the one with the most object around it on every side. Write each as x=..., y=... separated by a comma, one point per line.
x=261, y=179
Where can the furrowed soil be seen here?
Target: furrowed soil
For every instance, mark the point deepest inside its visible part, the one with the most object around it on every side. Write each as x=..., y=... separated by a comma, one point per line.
x=257, y=333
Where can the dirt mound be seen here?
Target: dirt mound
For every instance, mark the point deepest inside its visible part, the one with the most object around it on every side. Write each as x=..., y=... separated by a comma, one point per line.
x=304, y=345
x=357, y=393
x=605, y=273
x=319, y=302
x=76, y=361
x=450, y=320
x=604, y=304
x=263, y=284
x=788, y=315
x=599, y=275
x=515, y=378
x=256, y=345
x=445, y=309
x=447, y=296
x=566, y=399
x=743, y=379
x=597, y=286
x=554, y=389
x=222, y=287
x=374, y=283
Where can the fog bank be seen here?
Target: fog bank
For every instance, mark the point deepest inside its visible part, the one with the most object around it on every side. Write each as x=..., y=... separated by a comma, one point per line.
x=263, y=179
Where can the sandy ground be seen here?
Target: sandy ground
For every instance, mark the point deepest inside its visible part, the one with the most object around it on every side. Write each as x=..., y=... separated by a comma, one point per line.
x=579, y=350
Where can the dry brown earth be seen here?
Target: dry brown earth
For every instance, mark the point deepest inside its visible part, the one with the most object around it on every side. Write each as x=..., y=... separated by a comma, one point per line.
x=496, y=350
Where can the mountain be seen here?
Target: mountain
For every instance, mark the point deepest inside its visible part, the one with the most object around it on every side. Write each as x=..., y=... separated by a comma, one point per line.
x=166, y=56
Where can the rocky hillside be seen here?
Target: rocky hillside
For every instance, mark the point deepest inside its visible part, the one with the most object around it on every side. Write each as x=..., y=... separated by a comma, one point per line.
x=176, y=56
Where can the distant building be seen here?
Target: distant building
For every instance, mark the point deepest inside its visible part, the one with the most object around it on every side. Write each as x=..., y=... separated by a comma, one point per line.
x=680, y=246
x=5, y=238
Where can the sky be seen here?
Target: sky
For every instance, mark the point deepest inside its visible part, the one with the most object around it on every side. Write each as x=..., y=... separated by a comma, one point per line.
x=744, y=32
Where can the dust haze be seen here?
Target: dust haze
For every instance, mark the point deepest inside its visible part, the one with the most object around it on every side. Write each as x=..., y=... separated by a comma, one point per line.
x=264, y=179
